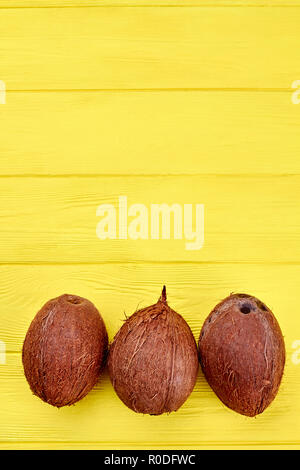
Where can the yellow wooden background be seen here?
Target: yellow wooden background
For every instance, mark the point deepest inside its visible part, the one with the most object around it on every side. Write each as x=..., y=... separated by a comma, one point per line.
x=162, y=101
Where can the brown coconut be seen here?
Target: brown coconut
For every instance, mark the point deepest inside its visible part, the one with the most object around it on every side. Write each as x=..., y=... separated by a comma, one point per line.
x=242, y=353
x=64, y=350
x=153, y=360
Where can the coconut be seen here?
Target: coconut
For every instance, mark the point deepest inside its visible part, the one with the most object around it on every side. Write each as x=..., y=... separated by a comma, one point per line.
x=242, y=353
x=64, y=350
x=153, y=360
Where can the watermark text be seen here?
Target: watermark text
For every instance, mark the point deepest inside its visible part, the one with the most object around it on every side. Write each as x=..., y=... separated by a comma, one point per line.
x=296, y=94
x=296, y=353
x=2, y=352
x=158, y=221
x=2, y=92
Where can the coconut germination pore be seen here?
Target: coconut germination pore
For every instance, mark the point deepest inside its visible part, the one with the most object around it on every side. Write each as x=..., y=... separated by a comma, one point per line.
x=242, y=353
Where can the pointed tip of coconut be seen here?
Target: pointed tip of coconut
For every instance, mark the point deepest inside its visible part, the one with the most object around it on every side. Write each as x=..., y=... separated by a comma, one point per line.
x=163, y=297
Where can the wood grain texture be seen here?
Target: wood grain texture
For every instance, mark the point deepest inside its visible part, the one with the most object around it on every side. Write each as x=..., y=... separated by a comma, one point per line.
x=108, y=48
x=134, y=133
x=101, y=420
x=192, y=290
x=173, y=101
x=143, y=3
x=53, y=220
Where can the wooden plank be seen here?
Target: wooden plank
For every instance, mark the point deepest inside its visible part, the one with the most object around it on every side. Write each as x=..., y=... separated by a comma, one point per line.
x=53, y=220
x=192, y=291
x=113, y=48
x=185, y=132
x=143, y=3
x=101, y=420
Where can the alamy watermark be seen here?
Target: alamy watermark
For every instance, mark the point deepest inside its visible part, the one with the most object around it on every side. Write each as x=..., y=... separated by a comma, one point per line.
x=296, y=353
x=296, y=94
x=2, y=352
x=2, y=92
x=158, y=221
x=146, y=458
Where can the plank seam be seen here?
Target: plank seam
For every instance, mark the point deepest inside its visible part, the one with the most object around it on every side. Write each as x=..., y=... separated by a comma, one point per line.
x=153, y=90
x=116, y=5
x=151, y=262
